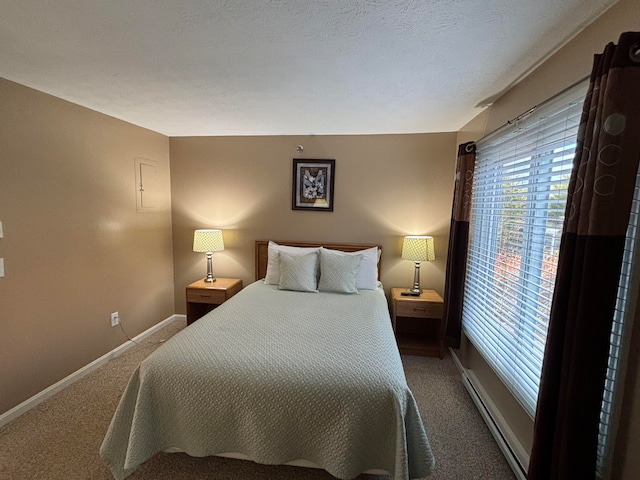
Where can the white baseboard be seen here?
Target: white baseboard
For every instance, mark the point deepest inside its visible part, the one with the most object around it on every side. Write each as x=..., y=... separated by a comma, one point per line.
x=48, y=392
x=516, y=456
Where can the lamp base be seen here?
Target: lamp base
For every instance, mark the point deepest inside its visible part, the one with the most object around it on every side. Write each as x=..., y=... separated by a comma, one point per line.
x=416, y=291
x=209, y=278
x=411, y=293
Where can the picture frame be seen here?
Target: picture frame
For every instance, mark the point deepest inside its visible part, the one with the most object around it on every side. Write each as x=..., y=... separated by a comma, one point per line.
x=313, y=184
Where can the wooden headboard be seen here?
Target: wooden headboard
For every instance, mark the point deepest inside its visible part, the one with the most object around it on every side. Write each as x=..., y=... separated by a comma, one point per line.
x=262, y=251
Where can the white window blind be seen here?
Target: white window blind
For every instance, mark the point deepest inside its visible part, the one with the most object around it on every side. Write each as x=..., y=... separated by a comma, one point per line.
x=519, y=196
x=626, y=307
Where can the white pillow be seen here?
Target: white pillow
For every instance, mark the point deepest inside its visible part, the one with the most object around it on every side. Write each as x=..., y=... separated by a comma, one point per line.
x=338, y=273
x=272, y=276
x=298, y=272
x=368, y=272
x=368, y=275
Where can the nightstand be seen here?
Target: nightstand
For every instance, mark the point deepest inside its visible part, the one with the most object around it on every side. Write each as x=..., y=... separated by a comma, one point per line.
x=417, y=322
x=202, y=297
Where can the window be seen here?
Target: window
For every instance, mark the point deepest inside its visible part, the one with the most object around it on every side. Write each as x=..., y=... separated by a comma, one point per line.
x=519, y=197
x=517, y=214
x=628, y=291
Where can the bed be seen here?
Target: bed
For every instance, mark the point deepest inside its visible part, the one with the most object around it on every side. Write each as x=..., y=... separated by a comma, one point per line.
x=281, y=376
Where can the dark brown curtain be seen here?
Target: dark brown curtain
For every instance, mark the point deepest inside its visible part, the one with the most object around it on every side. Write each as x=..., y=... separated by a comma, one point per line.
x=458, y=244
x=596, y=218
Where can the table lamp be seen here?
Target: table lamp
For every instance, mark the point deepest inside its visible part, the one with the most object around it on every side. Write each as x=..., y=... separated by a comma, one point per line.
x=417, y=248
x=208, y=241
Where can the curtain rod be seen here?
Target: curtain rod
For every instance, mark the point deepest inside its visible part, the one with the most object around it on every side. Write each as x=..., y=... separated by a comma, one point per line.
x=516, y=119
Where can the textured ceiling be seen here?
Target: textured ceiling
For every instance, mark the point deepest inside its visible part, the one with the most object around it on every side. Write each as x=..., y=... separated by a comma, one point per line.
x=274, y=67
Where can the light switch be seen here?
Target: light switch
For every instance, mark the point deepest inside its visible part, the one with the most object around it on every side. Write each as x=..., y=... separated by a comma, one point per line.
x=1, y=267
x=1, y=234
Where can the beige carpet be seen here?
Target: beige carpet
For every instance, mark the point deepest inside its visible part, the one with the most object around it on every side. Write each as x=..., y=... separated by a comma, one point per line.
x=60, y=438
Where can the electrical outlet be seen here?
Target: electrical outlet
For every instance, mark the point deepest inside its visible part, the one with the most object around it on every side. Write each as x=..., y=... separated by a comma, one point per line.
x=115, y=319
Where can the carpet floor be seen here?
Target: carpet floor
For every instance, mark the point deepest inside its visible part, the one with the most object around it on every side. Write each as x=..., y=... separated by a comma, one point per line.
x=60, y=438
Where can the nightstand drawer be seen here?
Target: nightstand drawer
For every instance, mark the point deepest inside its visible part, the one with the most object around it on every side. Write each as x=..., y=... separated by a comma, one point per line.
x=206, y=296
x=418, y=309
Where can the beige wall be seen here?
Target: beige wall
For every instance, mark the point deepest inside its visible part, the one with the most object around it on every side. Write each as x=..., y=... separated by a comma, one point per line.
x=75, y=249
x=386, y=186
x=475, y=129
x=569, y=65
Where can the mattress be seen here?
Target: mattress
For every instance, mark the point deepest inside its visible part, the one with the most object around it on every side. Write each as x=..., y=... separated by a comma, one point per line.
x=277, y=376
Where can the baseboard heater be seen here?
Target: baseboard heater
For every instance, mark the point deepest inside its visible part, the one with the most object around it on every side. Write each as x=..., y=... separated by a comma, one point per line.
x=502, y=439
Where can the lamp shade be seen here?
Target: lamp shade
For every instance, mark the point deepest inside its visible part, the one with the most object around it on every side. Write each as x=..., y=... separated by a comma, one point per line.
x=208, y=240
x=418, y=248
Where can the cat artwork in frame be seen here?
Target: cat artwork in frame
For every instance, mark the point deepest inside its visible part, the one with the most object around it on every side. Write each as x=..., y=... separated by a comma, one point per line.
x=313, y=182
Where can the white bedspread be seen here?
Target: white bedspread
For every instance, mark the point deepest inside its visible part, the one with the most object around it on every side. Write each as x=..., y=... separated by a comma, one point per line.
x=277, y=376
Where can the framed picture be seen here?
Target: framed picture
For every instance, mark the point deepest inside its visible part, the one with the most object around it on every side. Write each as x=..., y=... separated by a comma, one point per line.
x=313, y=184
